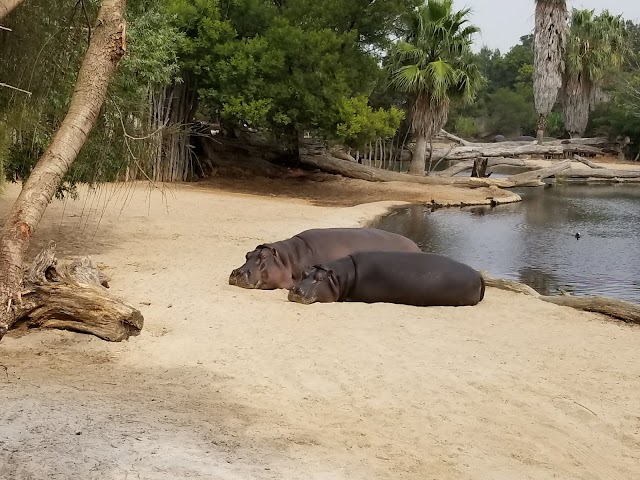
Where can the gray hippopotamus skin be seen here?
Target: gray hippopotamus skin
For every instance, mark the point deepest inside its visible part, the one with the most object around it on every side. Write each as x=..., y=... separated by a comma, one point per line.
x=420, y=279
x=281, y=264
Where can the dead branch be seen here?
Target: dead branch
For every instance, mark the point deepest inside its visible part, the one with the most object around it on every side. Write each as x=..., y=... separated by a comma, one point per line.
x=6, y=85
x=612, y=307
x=468, y=165
x=587, y=162
x=450, y=136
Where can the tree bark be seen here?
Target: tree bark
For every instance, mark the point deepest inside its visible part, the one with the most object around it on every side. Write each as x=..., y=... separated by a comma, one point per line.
x=105, y=50
x=7, y=6
x=418, y=161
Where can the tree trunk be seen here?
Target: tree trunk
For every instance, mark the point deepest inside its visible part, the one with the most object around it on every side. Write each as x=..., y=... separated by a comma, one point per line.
x=105, y=50
x=418, y=161
x=479, y=168
x=540, y=127
x=7, y=6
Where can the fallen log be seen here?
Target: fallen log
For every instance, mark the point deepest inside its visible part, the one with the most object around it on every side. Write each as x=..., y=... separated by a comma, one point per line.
x=603, y=173
x=612, y=307
x=517, y=149
x=468, y=165
x=535, y=177
x=587, y=162
x=74, y=297
x=333, y=165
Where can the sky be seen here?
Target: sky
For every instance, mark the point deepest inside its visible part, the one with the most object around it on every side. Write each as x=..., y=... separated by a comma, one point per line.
x=503, y=22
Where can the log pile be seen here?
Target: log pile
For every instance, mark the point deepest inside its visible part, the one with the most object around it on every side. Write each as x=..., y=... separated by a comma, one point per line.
x=73, y=296
x=619, y=309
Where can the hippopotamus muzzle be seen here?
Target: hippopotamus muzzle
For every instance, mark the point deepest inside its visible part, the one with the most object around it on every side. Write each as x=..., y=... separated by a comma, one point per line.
x=298, y=296
x=240, y=278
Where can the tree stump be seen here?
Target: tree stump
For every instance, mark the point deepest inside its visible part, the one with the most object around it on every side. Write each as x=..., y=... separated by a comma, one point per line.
x=73, y=297
x=479, y=169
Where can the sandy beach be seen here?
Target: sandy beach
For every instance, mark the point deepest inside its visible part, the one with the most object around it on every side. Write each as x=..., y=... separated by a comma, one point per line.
x=226, y=383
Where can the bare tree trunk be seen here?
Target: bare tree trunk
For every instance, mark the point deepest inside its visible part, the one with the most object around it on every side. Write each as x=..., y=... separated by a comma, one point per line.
x=418, y=161
x=105, y=50
x=542, y=123
x=7, y=6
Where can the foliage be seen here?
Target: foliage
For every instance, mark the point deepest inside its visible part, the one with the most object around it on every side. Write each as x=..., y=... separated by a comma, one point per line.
x=504, y=103
x=47, y=65
x=511, y=112
x=359, y=124
x=620, y=116
x=284, y=66
x=466, y=127
x=596, y=49
x=434, y=64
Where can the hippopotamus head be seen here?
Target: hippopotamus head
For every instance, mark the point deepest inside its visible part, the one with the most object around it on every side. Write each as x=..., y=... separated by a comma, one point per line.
x=318, y=284
x=263, y=269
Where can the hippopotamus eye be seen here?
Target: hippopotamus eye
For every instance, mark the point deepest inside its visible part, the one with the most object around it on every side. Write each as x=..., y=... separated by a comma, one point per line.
x=320, y=275
x=263, y=255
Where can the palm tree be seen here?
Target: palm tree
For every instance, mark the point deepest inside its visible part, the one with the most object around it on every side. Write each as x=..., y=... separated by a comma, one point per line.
x=596, y=48
x=432, y=65
x=549, y=49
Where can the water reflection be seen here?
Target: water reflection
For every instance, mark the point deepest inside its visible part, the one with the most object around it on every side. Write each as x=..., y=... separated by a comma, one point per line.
x=534, y=241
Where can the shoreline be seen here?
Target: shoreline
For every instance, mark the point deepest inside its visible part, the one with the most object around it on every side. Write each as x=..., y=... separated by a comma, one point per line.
x=230, y=383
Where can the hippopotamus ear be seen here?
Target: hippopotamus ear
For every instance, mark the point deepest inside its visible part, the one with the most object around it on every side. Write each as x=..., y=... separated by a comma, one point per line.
x=274, y=251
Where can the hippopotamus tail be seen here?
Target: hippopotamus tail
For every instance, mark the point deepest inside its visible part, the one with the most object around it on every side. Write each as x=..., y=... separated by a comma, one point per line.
x=481, y=288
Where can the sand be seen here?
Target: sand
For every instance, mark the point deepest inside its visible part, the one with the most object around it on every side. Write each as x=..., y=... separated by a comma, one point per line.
x=226, y=383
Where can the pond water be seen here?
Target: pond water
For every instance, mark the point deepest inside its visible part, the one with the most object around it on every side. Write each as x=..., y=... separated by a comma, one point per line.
x=534, y=241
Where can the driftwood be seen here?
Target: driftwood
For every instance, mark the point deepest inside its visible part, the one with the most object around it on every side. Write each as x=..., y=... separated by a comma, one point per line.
x=517, y=149
x=453, y=138
x=333, y=165
x=620, y=309
x=74, y=297
x=587, y=162
x=468, y=165
x=602, y=173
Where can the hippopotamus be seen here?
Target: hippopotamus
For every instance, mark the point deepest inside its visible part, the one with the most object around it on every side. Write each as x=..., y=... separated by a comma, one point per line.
x=281, y=264
x=410, y=278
